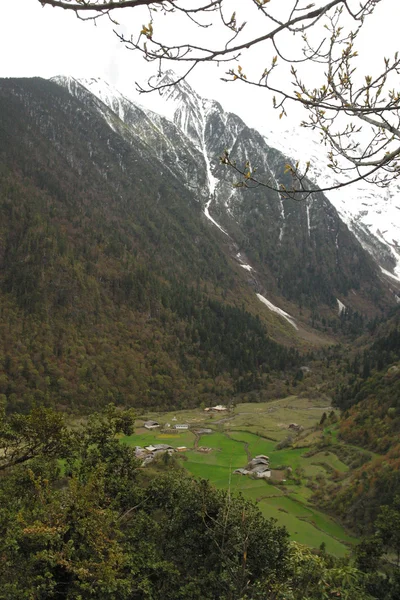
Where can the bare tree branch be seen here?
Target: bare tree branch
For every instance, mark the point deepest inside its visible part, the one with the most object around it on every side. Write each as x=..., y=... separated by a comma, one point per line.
x=98, y=6
x=327, y=32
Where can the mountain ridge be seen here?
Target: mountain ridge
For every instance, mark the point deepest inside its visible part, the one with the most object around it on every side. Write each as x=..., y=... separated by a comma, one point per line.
x=380, y=237
x=208, y=128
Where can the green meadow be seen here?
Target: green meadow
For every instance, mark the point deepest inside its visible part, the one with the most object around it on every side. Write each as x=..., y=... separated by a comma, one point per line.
x=253, y=429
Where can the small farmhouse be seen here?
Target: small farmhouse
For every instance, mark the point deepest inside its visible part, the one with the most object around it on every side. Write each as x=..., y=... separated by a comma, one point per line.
x=258, y=461
x=149, y=453
x=217, y=408
x=257, y=467
x=151, y=424
x=261, y=471
x=161, y=447
x=295, y=427
x=181, y=427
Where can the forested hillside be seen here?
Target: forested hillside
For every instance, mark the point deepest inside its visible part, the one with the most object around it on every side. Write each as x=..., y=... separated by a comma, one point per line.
x=300, y=251
x=112, y=287
x=368, y=394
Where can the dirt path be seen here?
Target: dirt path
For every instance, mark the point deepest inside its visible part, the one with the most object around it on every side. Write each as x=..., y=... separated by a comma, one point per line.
x=224, y=420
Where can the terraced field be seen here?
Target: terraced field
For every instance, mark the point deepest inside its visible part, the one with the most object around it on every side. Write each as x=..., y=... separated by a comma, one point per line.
x=231, y=445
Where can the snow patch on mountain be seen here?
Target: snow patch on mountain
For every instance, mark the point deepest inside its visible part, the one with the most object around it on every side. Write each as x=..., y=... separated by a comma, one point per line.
x=341, y=306
x=242, y=263
x=106, y=93
x=189, y=112
x=207, y=213
x=277, y=310
x=308, y=218
x=212, y=181
x=390, y=274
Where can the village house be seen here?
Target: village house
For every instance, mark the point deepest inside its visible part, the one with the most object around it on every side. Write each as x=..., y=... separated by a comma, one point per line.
x=295, y=427
x=181, y=427
x=266, y=458
x=148, y=453
x=151, y=424
x=141, y=453
x=217, y=408
x=261, y=472
x=257, y=467
x=258, y=461
x=159, y=448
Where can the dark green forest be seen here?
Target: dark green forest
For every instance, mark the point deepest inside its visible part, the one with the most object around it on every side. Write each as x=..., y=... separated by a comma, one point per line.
x=112, y=289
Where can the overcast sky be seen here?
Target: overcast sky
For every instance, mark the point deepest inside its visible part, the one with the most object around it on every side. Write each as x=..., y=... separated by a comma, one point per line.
x=36, y=41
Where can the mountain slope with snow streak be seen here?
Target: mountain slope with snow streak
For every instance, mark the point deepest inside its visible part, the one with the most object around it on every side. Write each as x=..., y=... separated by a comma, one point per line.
x=163, y=138
x=300, y=251
x=214, y=130
x=372, y=213
x=279, y=311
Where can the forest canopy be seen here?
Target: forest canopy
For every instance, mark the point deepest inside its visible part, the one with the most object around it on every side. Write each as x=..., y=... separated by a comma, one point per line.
x=95, y=525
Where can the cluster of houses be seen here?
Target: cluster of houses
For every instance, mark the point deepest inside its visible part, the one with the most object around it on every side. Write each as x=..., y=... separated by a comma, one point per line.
x=219, y=408
x=258, y=467
x=156, y=425
x=149, y=453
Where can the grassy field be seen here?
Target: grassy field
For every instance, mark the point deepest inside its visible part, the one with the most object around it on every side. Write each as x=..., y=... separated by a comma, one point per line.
x=253, y=429
x=272, y=418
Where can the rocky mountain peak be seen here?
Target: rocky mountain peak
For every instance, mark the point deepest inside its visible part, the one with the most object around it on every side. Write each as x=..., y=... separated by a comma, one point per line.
x=292, y=252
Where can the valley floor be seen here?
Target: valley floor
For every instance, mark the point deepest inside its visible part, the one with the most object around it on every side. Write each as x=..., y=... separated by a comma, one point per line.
x=254, y=429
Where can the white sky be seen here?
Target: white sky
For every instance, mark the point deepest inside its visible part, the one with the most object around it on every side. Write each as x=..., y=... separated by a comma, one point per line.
x=36, y=41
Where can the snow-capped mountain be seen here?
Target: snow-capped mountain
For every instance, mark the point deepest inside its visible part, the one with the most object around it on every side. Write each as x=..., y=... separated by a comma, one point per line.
x=373, y=217
x=160, y=135
x=181, y=111
x=291, y=253
x=372, y=213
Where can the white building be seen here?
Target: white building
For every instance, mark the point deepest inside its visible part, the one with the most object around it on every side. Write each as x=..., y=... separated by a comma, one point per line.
x=151, y=425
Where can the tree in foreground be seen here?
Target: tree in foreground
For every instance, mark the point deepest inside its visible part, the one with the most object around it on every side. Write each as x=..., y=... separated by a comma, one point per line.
x=96, y=525
x=309, y=57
